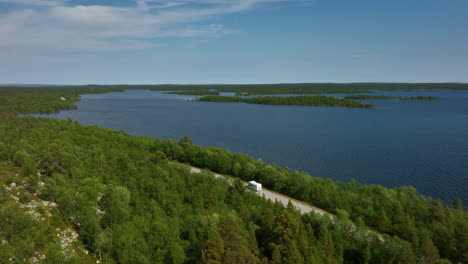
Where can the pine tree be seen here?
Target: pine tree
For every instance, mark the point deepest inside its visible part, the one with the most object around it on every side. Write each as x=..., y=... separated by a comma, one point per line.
x=410, y=258
x=252, y=240
x=429, y=253
x=235, y=245
x=285, y=227
x=276, y=257
x=215, y=249
x=437, y=211
x=461, y=238
x=457, y=204
x=292, y=254
x=185, y=141
x=366, y=256
x=382, y=221
x=327, y=245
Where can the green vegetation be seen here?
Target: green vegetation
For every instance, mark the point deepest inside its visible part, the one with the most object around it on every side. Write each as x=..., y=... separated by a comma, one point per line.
x=265, y=89
x=313, y=88
x=44, y=100
x=294, y=89
x=282, y=88
x=290, y=100
x=420, y=98
x=224, y=99
x=129, y=201
x=366, y=96
x=195, y=93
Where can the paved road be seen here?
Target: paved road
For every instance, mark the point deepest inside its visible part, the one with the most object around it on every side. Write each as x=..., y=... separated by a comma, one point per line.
x=197, y=170
x=301, y=206
x=274, y=196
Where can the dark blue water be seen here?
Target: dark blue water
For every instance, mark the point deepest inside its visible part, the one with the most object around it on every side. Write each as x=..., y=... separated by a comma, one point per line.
x=418, y=143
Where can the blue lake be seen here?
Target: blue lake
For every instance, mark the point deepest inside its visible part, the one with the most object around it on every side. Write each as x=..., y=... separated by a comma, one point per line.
x=401, y=142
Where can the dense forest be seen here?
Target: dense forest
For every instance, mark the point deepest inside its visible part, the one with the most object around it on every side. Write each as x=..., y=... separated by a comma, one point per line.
x=202, y=92
x=77, y=194
x=367, y=96
x=290, y=100
x=26, y=100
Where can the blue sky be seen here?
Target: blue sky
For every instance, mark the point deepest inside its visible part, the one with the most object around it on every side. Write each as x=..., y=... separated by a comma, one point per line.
x=232, y=41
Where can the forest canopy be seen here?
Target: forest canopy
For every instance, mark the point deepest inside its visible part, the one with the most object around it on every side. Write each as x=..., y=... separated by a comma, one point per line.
x=78, y=194
x=367, y=96
x=195, y=93
x=290, y=100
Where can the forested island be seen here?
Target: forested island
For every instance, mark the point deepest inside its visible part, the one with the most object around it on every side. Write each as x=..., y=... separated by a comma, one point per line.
x=367, y=96
x=80, y=194
x=290, y=100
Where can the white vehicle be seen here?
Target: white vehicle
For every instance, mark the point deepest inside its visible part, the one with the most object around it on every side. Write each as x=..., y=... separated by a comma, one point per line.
x=255, y=186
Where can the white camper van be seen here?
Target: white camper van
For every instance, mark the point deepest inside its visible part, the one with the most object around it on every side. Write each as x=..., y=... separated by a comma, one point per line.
x=255, y=186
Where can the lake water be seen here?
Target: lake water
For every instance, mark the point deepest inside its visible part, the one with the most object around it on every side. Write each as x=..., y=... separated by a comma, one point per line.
x=418, y=143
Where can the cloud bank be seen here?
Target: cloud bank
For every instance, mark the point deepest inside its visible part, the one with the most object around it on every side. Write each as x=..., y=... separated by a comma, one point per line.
x=60, y=25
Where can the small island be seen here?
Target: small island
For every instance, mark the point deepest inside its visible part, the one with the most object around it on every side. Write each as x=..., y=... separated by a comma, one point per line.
x=291, y=100
x=383, y=97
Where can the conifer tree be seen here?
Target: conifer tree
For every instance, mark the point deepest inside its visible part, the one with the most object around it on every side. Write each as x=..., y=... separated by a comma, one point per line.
x=276, y=257
x=292, y=254
x=429, y=253
x=213, y=254
x=457, y=204
x=327, y=245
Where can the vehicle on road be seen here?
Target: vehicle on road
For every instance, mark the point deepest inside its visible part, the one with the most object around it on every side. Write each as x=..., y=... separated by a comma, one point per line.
x=253, y=185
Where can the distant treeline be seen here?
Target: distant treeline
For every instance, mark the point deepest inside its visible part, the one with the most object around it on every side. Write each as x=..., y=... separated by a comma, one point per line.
x=422, y=98
x=203, y=92
x=290, y=100
x=282, y=88
x=301, y=88
x=366, y=96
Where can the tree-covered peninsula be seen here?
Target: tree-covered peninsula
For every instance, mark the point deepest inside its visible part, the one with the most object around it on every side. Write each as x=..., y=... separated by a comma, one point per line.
x=81, y=194
x=290, y=100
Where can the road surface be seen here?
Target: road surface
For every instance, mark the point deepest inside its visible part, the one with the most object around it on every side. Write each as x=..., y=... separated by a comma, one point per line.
x=274, y=196
x=302, y=207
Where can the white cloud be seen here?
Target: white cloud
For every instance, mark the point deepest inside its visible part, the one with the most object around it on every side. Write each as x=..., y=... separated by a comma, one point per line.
x=213, y=29
x=35, y=2
x=60, y=26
